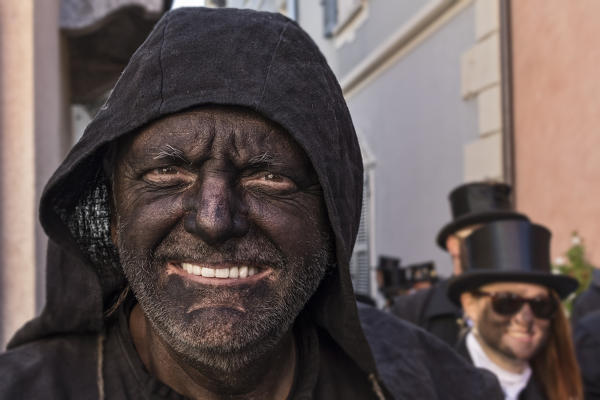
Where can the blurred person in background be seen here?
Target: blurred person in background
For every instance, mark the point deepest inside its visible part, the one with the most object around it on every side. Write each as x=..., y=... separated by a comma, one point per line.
x=519, y=330
x=472, y=205
x=421, y=276
x=394, y=280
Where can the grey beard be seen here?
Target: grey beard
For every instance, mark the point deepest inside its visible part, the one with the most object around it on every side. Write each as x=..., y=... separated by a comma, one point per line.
x=223, y=342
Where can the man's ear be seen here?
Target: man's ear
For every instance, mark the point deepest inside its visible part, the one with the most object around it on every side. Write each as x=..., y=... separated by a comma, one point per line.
x=453, y=247
x=470, y=306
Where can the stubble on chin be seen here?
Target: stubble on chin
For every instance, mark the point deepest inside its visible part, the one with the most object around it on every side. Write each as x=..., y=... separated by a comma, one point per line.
x=218, y=338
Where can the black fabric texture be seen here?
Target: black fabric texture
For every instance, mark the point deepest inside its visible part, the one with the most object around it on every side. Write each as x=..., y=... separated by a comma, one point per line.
x=428, y=367
x=60, y=367
x=412, y=365
x=195, y=57
x=587, y=347
x=127, y=378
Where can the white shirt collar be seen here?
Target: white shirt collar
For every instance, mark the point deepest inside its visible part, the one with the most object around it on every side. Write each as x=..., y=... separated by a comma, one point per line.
x=512, y=384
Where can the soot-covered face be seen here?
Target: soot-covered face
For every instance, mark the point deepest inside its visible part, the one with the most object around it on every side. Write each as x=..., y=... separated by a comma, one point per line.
x=516, y=337
x=222, y=232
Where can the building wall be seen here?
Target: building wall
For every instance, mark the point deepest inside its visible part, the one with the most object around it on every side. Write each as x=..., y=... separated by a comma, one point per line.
x=557, y=117
x=373, y=27
x=52, y=117
x=33, y=140
x=311, y=19
x=416, y=125
x=422, y=81
x=17, y=175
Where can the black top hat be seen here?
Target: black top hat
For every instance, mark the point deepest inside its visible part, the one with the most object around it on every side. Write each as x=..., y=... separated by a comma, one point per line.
x=477, y=203
x=508, y=251
x=391, y=275
x=421, y=272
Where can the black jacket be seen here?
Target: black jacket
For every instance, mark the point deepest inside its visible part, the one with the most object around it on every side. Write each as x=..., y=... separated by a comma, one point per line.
x=243, y=58
x=587, y=347
x=533, y=390
x=411, y=363
x=432, y=310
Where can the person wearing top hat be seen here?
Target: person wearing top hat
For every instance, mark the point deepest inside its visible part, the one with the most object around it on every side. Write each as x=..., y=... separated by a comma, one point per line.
x=421, y=276
x=471, y=204
x=512, y=301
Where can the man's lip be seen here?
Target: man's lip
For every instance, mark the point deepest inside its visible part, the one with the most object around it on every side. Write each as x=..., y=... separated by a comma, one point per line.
x=213, y=274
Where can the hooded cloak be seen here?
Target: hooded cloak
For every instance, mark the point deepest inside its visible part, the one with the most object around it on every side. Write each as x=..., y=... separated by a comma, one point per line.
x=266, y=63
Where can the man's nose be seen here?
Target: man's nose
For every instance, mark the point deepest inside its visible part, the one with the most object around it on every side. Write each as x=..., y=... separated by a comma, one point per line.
x=525, y=315
x=216, y=211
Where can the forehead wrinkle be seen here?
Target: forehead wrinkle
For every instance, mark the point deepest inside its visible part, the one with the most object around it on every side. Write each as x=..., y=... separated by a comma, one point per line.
x=248, y=137
x=204, y=131
x=266, y=158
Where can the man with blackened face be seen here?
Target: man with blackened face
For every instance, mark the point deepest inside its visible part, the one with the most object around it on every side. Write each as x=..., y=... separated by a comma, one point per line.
x=222, y=233
x=201, y=234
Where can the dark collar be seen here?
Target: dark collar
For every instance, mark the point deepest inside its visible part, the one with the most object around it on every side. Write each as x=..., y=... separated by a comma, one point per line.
x=305, y=378
x=461, y=348
x=439, y=303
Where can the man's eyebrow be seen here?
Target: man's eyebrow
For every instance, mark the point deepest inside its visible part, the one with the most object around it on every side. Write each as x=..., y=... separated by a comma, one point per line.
x=265, y=158
x=171, y=152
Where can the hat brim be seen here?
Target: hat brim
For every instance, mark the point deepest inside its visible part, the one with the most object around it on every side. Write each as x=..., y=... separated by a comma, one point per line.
x=468, y=281
x=473, y=219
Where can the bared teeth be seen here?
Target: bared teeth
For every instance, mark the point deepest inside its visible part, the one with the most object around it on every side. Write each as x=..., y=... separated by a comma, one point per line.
x=222, y=273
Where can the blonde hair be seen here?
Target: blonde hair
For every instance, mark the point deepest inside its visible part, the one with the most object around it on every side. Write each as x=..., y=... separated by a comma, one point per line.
x=555, y=367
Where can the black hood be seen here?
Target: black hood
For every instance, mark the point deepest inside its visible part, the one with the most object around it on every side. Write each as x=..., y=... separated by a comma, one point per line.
x=194, y=57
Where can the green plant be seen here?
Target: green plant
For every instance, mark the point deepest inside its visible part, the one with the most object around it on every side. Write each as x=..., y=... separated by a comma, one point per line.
x=574, y=264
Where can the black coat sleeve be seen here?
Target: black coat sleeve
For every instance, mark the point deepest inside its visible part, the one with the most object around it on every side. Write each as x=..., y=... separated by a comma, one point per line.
x=587, y=347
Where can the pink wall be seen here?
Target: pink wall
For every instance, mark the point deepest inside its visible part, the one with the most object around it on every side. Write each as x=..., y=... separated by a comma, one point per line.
x=556, y=83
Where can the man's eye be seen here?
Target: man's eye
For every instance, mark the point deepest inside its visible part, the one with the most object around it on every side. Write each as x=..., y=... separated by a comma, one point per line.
x=166, y=170
x=170, y=175
x=272, y=177
x=270, y=181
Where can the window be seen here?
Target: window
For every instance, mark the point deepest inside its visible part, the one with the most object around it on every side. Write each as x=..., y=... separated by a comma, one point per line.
x=285, y=7
x=338, y=13
x=362, y=262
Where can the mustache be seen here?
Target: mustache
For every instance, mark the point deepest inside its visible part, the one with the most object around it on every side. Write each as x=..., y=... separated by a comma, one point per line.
x=253, y=250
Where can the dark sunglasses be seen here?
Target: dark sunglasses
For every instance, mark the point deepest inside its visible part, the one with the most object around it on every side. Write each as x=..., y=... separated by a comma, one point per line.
x=508, y=304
